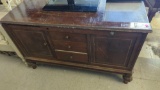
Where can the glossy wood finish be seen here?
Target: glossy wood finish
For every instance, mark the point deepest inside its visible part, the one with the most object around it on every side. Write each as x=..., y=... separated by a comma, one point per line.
x=68, y=36
x=72, y=56
x=81, y=40
x=34, y=43
x=30, y=13
x=70, y=46
x=114, y=49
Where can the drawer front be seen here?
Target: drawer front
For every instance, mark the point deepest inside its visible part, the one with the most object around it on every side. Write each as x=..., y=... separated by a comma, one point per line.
x=75, y=57
x=70, y=46
x=68, y=36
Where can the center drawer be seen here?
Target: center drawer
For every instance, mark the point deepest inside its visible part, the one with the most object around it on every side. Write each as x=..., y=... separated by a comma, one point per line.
x=70, y=46
x=71, y=56
x=68, y=36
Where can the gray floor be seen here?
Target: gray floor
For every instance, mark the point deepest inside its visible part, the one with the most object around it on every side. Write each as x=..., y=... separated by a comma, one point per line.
x=14, y=75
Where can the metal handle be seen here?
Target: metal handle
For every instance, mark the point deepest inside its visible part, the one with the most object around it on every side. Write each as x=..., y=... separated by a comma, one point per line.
x=112, y=33
x=69, y=46
x=71, y=57
x=45, y=44
x=67, y=37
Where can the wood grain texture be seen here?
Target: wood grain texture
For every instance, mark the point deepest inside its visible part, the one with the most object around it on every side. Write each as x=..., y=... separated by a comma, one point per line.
x=30, y=13
x=34, y=43
x=77, y=39
x=113, y=50
x=70, y=46
x=71, y=56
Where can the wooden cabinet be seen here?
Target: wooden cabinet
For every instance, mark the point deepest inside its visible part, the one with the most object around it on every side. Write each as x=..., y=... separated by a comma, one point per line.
x=113, y=51
x=101, y=41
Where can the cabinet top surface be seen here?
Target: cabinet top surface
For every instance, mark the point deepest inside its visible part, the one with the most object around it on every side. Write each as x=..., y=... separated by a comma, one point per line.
x=128, y=16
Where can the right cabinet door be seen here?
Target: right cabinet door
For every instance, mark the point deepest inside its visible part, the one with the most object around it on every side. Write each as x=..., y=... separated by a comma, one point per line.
x=113, y=49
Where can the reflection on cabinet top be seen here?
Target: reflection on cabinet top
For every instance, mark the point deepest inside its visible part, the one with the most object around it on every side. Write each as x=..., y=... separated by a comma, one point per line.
x=30, y=12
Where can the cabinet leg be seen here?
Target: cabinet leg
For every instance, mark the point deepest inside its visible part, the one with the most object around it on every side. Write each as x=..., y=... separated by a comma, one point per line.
x=127, y=78
x=33, y=65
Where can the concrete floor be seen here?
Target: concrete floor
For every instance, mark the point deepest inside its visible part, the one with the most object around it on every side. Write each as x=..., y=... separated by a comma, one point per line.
x=14, y=75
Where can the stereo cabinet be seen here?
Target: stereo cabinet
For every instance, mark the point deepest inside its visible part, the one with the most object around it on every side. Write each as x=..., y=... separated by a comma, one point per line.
x=112, y=51
x=93, y=41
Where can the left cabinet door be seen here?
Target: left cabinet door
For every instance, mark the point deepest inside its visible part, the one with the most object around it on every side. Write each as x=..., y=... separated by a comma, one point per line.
x=32, y=43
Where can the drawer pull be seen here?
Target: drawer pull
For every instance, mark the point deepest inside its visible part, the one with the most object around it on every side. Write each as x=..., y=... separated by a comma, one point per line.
x=112, y=33
x=67, y=37
x=71, y=57
x=45, y=44
x=69, y=47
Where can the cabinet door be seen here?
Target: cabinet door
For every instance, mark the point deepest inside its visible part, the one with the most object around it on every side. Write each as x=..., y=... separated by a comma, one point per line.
x=114, y=51
x=33, y=43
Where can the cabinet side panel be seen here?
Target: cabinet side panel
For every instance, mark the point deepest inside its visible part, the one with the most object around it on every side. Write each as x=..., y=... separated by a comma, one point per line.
x=137, y=49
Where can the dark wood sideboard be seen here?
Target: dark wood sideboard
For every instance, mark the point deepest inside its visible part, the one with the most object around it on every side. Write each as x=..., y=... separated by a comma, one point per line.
x=77, y=39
